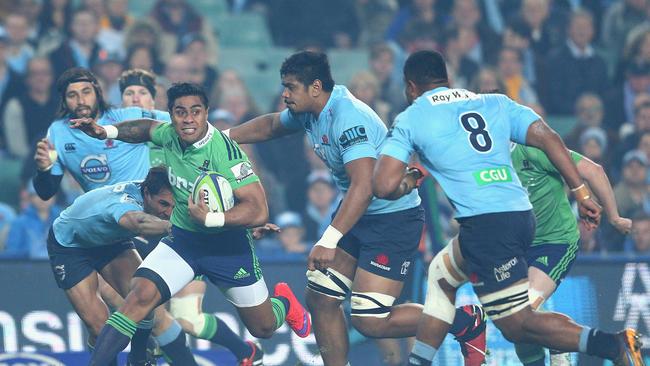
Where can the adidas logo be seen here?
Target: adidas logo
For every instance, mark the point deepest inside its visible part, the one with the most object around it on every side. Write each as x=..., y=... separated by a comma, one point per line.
x=241, y=274
x=543, y=260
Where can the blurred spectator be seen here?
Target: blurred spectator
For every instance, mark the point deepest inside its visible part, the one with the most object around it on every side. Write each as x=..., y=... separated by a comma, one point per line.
x=228, y=80
x=10, y=85
x=535, y=16
x=27, y=236
x=178, y=69
x=488, y=81
x=636, y=51
x=644, y=145
x=382, y=64
x=221, y=119
x=632, y=193
x=292, y=236
x=423, y=10
x=510, y=70
x=53, y=24
x=141, y=56
x=619, y=19
x=176, y=19
x=7, y=216
x=621, y=106
x=422, y=29
x=641, y=125
x=321, y=203
x=113, y=25
x=108, y=69
x=32, y=10
x=239, y=103
x=589, y=112
x=28, y=115
x=518, y=37
x=460, y=69
x=96, y=6
x=374, y=18
x=81, y=49
x=639, y=241
x=482, y=40
x=593, y=144
x=296, y=23
x=574, y=68
x=195, y=48
x=19, y=51
x=144, y=33
x=365, y=86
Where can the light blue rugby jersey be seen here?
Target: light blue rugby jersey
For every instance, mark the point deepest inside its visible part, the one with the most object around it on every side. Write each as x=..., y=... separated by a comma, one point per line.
x=96, y=163
x=92, y=219
x=463, y=139
x=346, y=130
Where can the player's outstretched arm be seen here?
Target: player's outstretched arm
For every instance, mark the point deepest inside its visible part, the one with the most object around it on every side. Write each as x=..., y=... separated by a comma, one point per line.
x=262, y=128
x=141, y=223
x=135, y=131
x=46, y=184
x=250, y=211
x=540, y=135
x=595, y=175
x=392, y=179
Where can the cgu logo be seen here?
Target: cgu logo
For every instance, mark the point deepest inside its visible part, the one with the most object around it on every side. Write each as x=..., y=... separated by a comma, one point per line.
x=493, y=175
x=179, y=182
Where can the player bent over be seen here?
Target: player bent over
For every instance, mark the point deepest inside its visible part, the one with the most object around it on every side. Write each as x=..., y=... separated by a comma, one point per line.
x=217, y=245
x=367, y=250
x=138, y=88
x=463, y=139
x=556, y=241
x=93, y=236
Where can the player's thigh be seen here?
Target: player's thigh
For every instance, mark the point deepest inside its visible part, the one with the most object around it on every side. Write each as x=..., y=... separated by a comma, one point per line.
x=493, y=247
x=196, y=287
x=548, y=265
x=109, y=295
x=87, y=304
x=259, y=319
x=119, y=271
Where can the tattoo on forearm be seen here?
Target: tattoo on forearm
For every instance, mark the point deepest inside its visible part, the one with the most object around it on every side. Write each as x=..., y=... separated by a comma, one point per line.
x=134, y=131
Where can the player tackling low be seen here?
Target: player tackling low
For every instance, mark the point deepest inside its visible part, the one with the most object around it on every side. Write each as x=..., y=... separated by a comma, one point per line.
x=463, y=139
x=216, y=245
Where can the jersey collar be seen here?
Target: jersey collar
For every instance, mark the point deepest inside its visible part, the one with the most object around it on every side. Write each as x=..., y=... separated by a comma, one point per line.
x=204, y=141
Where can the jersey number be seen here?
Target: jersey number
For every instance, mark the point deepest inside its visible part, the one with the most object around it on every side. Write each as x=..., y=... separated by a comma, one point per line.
x=483, y=144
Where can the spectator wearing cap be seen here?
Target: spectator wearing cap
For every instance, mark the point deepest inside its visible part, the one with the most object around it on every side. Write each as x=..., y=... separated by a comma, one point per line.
x=19, y=51
x=195, y=47
x=27, y=237
x=108, y=69
x=28, y=115
x=82, y=48
x=632, y=192
x=639, y=241
x=289, y=243
x=573, y=68
x=589, y=112
x=593, y=144
x=322, y=200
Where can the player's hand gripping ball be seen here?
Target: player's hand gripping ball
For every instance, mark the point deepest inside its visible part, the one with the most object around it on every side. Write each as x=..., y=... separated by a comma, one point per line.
x=218, y=192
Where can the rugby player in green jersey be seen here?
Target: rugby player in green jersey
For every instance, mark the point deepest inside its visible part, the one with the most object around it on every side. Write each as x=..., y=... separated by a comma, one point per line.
x=216, y=245
x=556, y=241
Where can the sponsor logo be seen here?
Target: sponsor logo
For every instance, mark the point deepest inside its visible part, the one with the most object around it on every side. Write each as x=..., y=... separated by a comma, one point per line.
x=526, y=165
x=69, y=147
x=543, y=260
x=241, y=274
x=354, y=135
x=110, y=143
x=502, y=272
x=205, y=167
x=60, y=271
x=633, y=302
x=95, y=168
x=29, y=359
x=381, y=261
x=492, y=175
x=242, y=171
x=179, y=182
x=405, y=267
x=452, y=95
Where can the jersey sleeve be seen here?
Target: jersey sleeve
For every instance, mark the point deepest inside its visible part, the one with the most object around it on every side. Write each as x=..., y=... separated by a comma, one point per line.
x=131, y=113
x=354, y=138
x=161, y=116
x=57, y=167
x=234, y=164
x=399, y=142
x=292, y=121
x=124, y=204
x=520, y=118
x=162, y=133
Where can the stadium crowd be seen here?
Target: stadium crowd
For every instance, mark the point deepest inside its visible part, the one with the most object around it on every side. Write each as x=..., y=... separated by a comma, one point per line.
x=584, y=65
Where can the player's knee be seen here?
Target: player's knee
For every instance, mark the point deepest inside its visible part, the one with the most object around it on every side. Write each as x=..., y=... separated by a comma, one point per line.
x=262, y=330
x=186, y=311
x=444, y=277
x=370, y=327
x=143, y=294
x=370, y=311
x=317, y=302
x=327, y=289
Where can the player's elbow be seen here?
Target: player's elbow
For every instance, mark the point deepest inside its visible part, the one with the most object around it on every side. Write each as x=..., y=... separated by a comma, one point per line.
x=260, y=216
x=382, y=188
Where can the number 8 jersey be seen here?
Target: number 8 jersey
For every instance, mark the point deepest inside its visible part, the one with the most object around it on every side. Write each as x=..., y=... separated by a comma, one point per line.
x=463, y=139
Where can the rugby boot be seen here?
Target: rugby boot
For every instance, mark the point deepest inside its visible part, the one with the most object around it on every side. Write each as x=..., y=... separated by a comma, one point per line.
x=297, y=317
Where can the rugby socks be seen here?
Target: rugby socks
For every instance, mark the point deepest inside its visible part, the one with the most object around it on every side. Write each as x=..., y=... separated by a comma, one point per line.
x=173, y=343
x=422, y=354
x=595, y=342
x=216, y=331
x=139, y=341
x=280, y=306
x=530, y=354
x=113, y=338
x=92, y=349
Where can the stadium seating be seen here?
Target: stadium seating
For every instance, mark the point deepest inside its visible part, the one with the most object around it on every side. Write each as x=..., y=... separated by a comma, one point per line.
x=346, y=63
x=243, y=30
x=10, y=181
x=562, y=124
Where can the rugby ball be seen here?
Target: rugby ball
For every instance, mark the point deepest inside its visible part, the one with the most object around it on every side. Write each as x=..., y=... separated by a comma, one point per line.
x=219, y=196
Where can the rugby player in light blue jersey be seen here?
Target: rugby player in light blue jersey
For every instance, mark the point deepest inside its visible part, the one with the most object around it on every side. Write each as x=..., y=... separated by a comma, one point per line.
x=95, y=164
x=463, y=139
x=371, y=242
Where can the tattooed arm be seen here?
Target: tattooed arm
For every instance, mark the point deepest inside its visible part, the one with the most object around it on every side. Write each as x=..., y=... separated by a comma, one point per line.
x=141, y=223
x=134, y=131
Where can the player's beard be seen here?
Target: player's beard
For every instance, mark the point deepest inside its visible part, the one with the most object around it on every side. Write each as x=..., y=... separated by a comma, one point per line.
x=85, y=112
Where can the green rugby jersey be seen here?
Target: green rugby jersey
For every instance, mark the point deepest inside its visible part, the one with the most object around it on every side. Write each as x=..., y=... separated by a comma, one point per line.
x=556, y=223
x=214, y=152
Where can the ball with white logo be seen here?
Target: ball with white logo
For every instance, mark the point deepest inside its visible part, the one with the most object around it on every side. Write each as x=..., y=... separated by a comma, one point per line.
x=219, y=196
